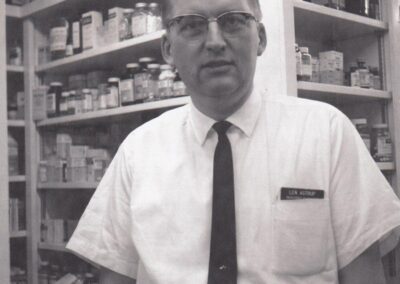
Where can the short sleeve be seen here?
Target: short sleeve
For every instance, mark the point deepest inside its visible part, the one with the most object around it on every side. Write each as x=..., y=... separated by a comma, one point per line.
x=103, y=235
x=364, y=207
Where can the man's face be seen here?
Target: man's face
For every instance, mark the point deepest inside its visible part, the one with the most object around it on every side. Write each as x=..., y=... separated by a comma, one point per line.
x=217, y=65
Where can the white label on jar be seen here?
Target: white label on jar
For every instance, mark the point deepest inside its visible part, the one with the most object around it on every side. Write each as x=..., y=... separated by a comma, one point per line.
x=51, y=103
x=78, y=106
x=383, y=146
x=152, y=24
x=306, y=70
x=63, y=107
x=127, y=90
x=139, y=25
x=112, y=97
x=103, y=101
x=88, y=103
x=167, y=83
x=76, y=35
x=355, y=79
x=58, y=38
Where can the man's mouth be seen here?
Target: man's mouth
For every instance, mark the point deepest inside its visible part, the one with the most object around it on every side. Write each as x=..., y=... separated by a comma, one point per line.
x=217, y=64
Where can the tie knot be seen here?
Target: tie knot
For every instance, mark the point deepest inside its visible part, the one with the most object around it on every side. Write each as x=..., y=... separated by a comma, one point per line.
x=221, y=127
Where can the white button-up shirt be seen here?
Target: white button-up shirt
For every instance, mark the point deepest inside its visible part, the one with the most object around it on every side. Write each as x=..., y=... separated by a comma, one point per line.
x=150, y=217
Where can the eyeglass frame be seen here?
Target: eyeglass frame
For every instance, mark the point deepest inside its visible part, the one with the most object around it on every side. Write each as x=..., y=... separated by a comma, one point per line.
x=211, y=19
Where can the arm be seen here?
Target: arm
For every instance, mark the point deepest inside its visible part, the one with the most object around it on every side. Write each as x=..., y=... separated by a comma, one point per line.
x=110, y=277
x=366, y=268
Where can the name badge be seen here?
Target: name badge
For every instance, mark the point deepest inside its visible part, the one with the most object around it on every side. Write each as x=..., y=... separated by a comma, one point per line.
x=289, y=193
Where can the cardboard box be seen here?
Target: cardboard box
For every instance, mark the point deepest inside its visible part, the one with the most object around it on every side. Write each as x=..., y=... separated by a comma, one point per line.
x=332, y=77
x=115, y=16
x=77, y=151
x=91, y=22
x=39, y=103
x=331, y=61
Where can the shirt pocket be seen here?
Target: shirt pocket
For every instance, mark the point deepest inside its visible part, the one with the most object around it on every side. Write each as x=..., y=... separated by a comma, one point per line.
x=300, y=236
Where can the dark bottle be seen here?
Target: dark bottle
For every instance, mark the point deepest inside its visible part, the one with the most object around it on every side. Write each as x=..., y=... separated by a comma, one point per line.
x=127, y=85
x=53, y=99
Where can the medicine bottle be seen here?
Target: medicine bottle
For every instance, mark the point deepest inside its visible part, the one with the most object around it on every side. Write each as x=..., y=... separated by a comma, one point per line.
x=362, y=128
x=64, y=103
x=364, y=75
x=139, y=19
x=381, y=148
x=103, y=93
x=13, y=165
x=125, y=26
x=337, y=4
x=87, y=100
x=306, y=66
x=15, y=54
x=166, y=81
x=127, y=85
x=376, y=79
x=113, y=92
x=179, y=86
x=298, y=61
x=12, y=110
x=53, y=99
x=142, y=80
x=71, y=102
x=154, y=22
x=58, y=38
x=79, y=101
x=152, y=89
x=42, y=172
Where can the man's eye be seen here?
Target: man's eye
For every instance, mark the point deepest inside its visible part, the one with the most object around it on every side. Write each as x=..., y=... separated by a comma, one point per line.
x=191, y=25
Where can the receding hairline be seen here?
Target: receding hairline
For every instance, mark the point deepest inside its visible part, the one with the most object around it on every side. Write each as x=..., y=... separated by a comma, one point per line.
x=254, y=4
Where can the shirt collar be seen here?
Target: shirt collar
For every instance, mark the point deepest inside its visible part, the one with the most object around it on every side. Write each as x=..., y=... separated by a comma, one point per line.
x=245, y=118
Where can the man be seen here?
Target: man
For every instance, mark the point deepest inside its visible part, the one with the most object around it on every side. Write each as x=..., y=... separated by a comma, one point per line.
x=302, y=201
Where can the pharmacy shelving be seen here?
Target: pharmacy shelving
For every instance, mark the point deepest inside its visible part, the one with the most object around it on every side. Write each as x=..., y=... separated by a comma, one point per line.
x=97, y=116
x=15, y=69
x=13, y=11
x=386, y=166
x=118, y=53
x=16, y=179
x=15, y=123
x=52, y=247
x=18, y=234
x=67, y=186
x=343, y=94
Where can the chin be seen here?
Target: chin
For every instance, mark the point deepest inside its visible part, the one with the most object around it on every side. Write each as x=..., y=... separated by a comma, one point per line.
x=219, y=88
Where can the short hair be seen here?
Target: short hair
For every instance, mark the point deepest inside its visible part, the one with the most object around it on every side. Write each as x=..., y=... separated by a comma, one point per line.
x=255, y=5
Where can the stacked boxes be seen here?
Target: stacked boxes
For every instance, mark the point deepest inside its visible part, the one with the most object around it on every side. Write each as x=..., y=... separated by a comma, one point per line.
x=331, y=67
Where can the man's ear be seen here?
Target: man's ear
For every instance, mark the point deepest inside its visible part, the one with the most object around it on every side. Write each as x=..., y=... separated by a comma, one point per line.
x=166, y=50
x=262, y=34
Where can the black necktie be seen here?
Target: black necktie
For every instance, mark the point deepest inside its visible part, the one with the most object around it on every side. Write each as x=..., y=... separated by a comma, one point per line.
x=223, y=263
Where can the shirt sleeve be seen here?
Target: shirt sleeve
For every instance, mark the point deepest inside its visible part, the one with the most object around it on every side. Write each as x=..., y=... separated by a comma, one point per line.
x=364, y=207
x=103, y=235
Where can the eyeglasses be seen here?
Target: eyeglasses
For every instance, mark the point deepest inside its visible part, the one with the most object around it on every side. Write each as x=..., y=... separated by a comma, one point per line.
x=194, y=27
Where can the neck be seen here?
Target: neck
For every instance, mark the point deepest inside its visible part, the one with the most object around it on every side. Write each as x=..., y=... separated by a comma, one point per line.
x=220, y=107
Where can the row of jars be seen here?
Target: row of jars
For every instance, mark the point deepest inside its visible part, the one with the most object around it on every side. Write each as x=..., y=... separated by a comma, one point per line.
x=144, y=81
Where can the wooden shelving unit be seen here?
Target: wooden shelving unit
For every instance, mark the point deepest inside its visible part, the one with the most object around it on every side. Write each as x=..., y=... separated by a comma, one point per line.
x=13, y=11
x=52, y=247
x=18, y=234
x=16, y=123
x=15, y=68
x=68, y=186
x=15, y=179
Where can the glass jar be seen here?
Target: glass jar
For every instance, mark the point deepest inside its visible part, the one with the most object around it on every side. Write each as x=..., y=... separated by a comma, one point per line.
x=154, y=22
x=64, y=103
x=42, y=172
x=364, y=75
x=71, y=102
x=53, y=99
x=152, y=89
x=306, y=66
x=87, y=100
x=127, y=85
x=12, y=110
x=381, y=147
x=125, y=26
x=337, y=4
x=141, y=79
x=102, y=99
x=79, y=101
x=179, y=87
x=139, y=19
x=58, y=38
x=113, y=92
x=166, y=81
x=15, y=53
x=13, y=157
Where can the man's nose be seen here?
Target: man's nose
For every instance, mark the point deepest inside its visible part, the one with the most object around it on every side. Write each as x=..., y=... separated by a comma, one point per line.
x=215, y=41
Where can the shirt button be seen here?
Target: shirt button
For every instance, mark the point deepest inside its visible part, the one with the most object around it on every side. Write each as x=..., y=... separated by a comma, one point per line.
x=223, y=267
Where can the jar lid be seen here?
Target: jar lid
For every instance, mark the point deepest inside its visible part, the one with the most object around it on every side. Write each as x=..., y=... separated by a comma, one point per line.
x=132, y=65
x=304, y=49
x=85, y=91
x=65, y=94
x=166, y=67
x=380, y=125
x=128, y=10
x=359, y=121
x=146, y=59
x=153, y=5
x=113, y=79
x=153, y=66
x=56, y=84
x=72, y=93
x=140, y=5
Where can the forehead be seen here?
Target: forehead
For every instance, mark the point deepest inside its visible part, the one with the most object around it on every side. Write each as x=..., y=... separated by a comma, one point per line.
x=206, y=7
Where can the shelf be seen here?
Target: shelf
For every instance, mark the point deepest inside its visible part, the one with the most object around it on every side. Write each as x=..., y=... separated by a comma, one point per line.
x=15, y=69
x=318, y=23
x=18, y=234
x=115, y=112
x=16, y=123
x=60, y=185
x=39, y=6
x=52, y=247
x=13, y=11
x=117, y=54
x=339, y=94
x=19, y=178
x=388, y=166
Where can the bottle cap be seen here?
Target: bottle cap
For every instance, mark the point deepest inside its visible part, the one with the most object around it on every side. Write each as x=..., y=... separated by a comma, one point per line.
x=56, y=84
x=113, y=80
x=166, y=67
x=153, y=66
x=140, y=5
x=304, y=49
